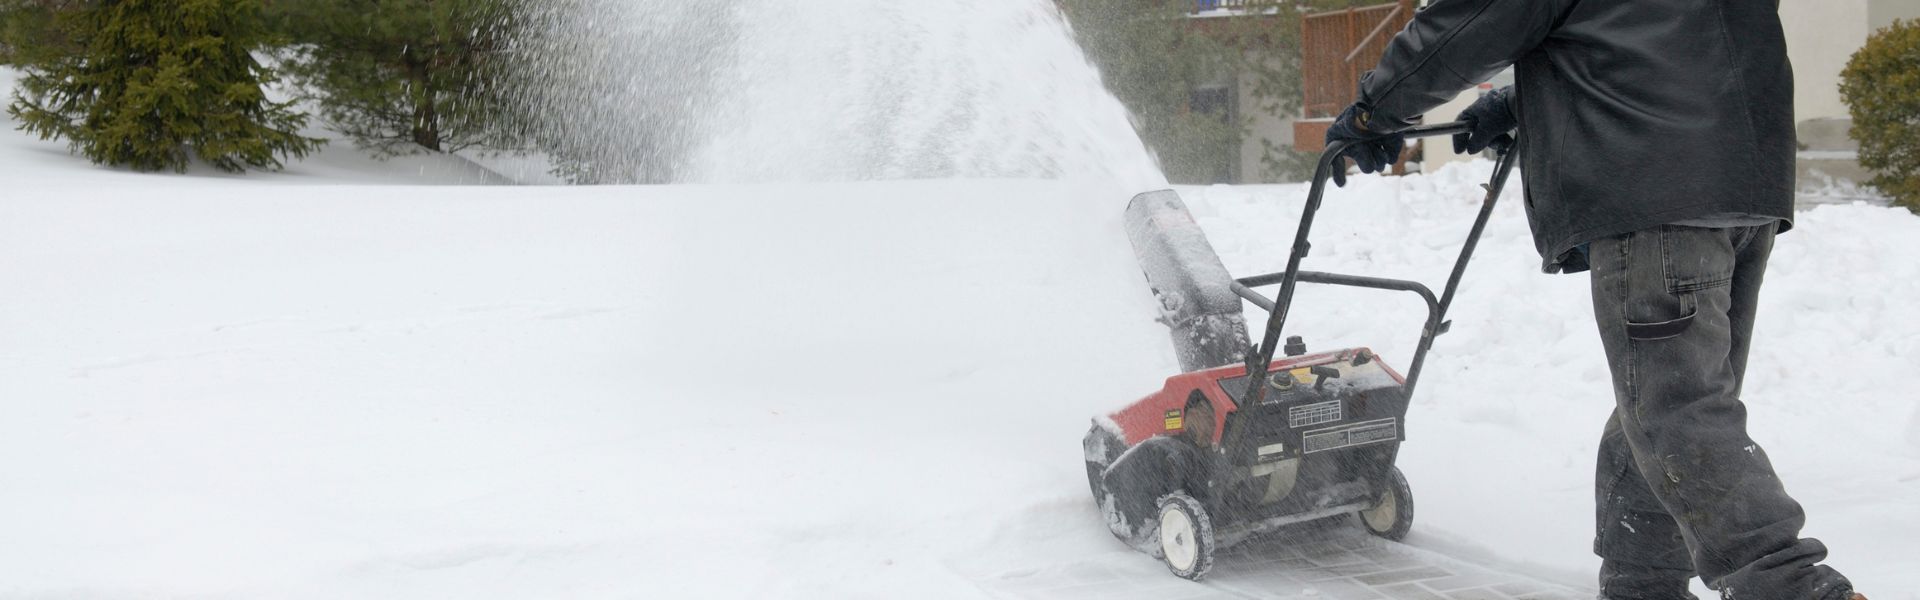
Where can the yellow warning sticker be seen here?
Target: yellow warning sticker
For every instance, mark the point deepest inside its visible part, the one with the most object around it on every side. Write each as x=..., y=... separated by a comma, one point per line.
x=1173, y=420
x=1304, y=375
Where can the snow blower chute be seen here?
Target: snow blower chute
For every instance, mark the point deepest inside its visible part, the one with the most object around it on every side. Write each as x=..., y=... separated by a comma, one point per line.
x=1242, y=442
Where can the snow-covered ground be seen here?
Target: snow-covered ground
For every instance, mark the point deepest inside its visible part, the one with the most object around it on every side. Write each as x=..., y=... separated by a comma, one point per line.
x=334, y=382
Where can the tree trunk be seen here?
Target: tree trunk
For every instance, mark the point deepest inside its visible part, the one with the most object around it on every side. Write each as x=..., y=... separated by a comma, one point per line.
x=426, y=120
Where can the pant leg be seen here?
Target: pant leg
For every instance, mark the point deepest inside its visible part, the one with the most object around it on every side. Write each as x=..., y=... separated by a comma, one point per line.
x=1642, y=554
x=1675, y=306
x=1749, y=270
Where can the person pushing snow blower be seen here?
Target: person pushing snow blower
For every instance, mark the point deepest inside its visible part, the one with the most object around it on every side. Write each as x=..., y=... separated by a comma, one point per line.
x=1657, y=148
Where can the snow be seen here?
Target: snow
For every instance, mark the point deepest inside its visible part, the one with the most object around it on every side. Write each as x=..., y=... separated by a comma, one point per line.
x=1828, y=154
x=850, y=89
x=340, y=382
x=1913, y=430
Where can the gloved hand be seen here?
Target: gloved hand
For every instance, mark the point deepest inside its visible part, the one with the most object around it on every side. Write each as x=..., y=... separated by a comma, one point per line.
x=1373, y=151
x=1491, y=118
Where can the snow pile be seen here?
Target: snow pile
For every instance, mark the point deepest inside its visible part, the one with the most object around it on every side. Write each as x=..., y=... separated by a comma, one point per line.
x=1913, y=429
x=229, y=386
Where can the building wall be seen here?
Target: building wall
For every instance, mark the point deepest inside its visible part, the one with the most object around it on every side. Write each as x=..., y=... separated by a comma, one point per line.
x=1821, y=36
x=1276, y=129
x=1881, y=13
x=1439, y=151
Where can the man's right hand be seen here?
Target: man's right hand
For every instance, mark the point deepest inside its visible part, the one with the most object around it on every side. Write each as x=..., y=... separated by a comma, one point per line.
x=1490, y=119
x=1372, y=151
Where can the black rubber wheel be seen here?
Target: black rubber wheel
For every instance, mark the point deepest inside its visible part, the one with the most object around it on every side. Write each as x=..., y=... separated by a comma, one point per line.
x=1101, y=448
x=1185, y=534
x=1393, y=516
x=1094, y=470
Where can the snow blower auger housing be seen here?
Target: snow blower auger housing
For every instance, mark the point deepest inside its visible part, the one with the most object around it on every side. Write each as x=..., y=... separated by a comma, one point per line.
x=1243, y=442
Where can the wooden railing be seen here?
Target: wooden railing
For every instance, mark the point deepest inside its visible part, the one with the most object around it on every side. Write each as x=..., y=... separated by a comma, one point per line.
x=1335, y=48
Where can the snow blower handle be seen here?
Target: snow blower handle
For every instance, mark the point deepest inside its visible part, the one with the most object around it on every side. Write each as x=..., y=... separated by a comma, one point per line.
x=1330, y=159
x=1262, y=355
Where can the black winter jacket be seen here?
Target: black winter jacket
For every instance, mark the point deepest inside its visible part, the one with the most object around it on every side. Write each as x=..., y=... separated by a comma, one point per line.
x=1633, y=113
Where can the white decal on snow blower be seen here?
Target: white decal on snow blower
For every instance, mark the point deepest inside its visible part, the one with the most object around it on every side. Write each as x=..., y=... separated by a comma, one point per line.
x=1370, y=432
x=1307, y=415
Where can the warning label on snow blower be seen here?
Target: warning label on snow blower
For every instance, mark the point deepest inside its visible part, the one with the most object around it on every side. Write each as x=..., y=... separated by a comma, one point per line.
x=1314, y=414
x=1370, y=432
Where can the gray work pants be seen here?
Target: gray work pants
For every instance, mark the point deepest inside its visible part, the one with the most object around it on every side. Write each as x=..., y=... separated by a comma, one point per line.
x=1681, y=490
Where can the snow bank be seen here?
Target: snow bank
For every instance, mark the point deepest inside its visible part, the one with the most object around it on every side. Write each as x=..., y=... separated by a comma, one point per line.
x=1913, y=429
x=222, y=386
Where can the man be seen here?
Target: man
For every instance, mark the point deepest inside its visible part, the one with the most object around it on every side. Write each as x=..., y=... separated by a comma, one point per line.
x=1657, y=148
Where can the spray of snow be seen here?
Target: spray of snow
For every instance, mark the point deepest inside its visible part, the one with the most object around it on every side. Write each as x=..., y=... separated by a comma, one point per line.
x=848, y=89
x=617, y=91
x=829, y=90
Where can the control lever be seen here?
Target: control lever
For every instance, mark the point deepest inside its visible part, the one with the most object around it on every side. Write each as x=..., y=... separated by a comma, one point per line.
x=1321, y=374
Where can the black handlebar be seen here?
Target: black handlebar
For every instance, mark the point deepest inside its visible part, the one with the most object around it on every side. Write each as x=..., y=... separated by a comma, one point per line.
x=1332, y=153
x=1262, y=355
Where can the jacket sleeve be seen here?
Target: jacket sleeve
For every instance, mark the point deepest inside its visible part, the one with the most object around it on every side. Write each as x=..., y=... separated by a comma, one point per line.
x=1450, y=46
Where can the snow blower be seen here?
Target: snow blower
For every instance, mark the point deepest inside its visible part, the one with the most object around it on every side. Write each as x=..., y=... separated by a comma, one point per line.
x=1243, y=443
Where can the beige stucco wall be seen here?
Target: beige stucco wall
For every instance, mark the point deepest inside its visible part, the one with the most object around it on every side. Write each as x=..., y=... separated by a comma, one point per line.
x=1439, y=151
x=1278, y=130
x=1881, y=13
x=1821, y=36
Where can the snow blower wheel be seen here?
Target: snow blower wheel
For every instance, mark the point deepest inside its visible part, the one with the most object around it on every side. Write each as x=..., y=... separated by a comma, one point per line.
x=1186, y=536
x=1393, y=516
x=1101, y=448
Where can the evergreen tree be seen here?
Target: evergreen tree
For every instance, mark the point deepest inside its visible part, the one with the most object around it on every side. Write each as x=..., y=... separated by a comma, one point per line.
x=157, y=81
x=405, y=76
x=26, y=28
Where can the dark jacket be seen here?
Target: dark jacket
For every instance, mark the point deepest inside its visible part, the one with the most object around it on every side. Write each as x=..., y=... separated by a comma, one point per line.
x=1633, y=113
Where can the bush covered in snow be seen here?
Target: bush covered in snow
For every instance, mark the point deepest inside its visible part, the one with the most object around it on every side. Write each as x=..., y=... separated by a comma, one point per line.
x=1881, y=86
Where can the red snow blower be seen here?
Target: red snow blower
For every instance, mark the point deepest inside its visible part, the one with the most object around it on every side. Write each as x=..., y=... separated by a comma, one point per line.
x=1242, y=443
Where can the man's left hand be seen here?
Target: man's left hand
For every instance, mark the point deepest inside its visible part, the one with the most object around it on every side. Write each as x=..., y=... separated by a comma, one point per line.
x=1372, y=151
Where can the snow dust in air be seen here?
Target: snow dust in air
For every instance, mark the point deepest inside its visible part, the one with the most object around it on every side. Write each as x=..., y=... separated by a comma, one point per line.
x=829, y=90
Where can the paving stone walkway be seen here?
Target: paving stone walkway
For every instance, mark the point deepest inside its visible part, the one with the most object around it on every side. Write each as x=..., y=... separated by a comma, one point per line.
x=1340, y=562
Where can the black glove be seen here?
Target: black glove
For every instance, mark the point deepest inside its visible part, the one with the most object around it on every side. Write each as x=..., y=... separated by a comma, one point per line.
x=1490, y=119
x=1373, y=151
